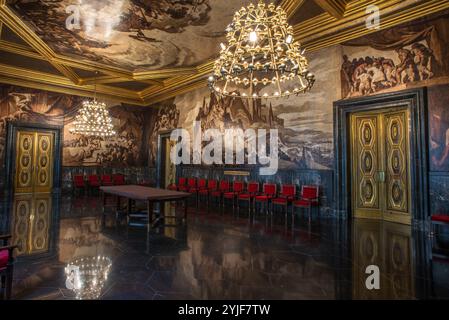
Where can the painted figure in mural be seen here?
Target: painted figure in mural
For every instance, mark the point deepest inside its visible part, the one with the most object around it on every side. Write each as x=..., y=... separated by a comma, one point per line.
x=363, y=76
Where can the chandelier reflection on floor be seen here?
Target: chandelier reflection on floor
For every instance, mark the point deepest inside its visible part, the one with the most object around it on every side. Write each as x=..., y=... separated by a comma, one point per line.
x=261, y=59
x=87, y=276
x=93, y=119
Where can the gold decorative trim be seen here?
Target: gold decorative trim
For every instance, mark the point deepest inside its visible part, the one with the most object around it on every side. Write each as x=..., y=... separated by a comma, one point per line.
x=335, y=8
x=291, y=6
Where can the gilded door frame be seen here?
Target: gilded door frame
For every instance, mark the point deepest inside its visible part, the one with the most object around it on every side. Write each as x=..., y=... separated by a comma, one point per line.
x=13, y=128
x=416, y=102
x=159, y=159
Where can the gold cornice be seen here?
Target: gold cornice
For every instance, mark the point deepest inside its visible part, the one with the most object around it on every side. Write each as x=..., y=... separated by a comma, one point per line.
x=291, y=6
x=338, y=31
x=335, y=8
x=24, y=77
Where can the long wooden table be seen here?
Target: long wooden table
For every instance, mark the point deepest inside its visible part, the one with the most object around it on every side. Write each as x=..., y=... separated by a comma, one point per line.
x=147, y=194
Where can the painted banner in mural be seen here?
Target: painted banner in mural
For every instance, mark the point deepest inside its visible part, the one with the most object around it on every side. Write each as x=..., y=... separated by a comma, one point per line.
x=412, y=54
x=34, y=106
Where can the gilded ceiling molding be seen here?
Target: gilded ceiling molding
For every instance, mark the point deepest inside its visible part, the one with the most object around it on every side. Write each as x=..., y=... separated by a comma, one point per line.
x=25, y=77
x=20, y=50
x=28, y=35
x=335, y=8
x=334, y=31
x=291, y=6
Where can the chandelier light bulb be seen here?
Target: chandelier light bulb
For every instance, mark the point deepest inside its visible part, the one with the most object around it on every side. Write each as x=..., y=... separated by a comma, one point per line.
x=253, y=36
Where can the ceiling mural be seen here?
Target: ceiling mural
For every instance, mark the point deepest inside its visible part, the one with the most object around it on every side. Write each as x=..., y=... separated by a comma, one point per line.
x=132, y=34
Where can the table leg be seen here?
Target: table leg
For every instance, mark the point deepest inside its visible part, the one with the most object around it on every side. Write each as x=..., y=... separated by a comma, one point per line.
x=185, y=208
x=128, y=213
x=150, y=215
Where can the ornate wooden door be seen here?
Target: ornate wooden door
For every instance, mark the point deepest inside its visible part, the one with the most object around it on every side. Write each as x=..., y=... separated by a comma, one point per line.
x=34, y=162
x=380, y=165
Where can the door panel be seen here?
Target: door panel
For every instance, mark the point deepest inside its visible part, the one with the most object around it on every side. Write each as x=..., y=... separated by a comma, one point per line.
x=365, y=165
x=44, y=163
x=397, y=167
x=24, y=162
x=380, y=165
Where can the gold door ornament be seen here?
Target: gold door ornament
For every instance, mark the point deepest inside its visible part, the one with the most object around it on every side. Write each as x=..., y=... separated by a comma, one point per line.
x=380, y=165
x=34, y=162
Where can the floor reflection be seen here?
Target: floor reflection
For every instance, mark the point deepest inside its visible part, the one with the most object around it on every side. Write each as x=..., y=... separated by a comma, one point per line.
x=216, y=256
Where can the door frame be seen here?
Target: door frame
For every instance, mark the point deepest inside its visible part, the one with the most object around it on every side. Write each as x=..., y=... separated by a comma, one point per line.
x=10, y=156
x=161, y=135
x=415, y=101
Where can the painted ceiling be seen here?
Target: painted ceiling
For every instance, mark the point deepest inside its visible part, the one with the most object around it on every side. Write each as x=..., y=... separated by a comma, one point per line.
x=132, y=34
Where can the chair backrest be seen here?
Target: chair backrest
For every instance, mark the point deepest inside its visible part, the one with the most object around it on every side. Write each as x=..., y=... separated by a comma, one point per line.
x=224, y=185
x=269, y=188
x=309, y=192
x=106, y=178
x=191, y=182
x=119, y=179
x=78, y=179
x=202, y=183
x=182, y=181
x=238, y=186
x=212, y=184
x=93, y=178
x=288, y=190
x=253, y=187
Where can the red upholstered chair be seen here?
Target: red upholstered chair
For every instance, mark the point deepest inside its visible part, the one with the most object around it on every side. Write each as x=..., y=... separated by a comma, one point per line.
x=184, y=185
x=309, y=198
x=78, y=182
x=196, y=188
x=252, y=189
x=211, y=187
x=222, y=188
x=94, y=181
x=118, y=180
x=6, y=267
x=439, y=219
x=237, y=188
x=286, y=196
x=268, y=193
x=181, y=184
x=106, y=180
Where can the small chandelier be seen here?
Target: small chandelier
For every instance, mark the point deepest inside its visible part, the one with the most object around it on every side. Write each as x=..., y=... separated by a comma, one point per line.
x=261, y=59
x=93, y=119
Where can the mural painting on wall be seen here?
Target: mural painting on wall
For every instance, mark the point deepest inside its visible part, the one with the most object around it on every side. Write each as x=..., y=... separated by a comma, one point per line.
x=395, y=58
x=34, y=106
x=439, y=127
x=304, y=122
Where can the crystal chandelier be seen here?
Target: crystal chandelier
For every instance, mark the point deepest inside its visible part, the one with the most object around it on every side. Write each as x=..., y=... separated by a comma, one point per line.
x=261, y=58
x=86, y=276
x=93, y=119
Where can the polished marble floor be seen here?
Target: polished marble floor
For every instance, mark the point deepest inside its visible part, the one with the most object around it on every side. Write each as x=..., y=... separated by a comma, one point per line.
x=217, y=255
